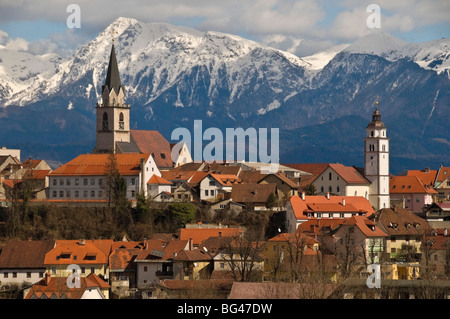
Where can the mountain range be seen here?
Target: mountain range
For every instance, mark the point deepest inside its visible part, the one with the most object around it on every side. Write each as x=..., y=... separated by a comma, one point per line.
x=174, y=75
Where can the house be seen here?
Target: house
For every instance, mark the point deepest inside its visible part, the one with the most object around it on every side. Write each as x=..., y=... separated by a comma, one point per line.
x=360, y=235
x=438, y=211
x=285, y=186
x=285, y=250
x=155, y=261
x=192, y=264
x=438, y=257
x=122, y=268
x=90, y=287
x=342, y=180
x=157, y=185
x=226, y=205
x=83, y=180
x=427, y=176
x=214, y=186
x=183, y=156
x=90, y=255
x=442, y=184
x=412, y=192
x=302, y=208
x=23, y=261
x=405, y=232
x=197, y=233
x=253, y=196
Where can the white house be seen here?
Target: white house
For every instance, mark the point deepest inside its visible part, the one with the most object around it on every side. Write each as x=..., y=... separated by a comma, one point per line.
x=84, y=178
x=214, y=185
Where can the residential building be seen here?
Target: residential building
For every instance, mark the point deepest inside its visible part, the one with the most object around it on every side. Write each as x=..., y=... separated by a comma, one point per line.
x=155, y=261
x=23, y=261
x=90, y=255
x=197, y=233
x=156, y=185
x=215, y=186
x=405, y=232
x=254, y=196
x=442, y=184
x=299, y=209
x=193, y=264
x=83, y=180
x=438, y=211
x=90, y=287
x=341, y=180
x=285, y=187
x=412, y=192
x=427, y=176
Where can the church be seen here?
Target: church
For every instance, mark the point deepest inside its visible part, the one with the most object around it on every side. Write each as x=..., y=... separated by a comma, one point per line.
x=113, y=133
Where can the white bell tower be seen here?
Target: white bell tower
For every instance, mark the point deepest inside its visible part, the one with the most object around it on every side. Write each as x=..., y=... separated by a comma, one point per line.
x=376, y=161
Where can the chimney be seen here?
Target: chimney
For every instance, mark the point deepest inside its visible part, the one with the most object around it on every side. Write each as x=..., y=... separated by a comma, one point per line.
x=328, y=195
x=47, y=279
x=220, y=234
x=191, y=244
x=343, y=202
x=81, y=242
x=427, y=169
x=445, y=232
x=303, y=195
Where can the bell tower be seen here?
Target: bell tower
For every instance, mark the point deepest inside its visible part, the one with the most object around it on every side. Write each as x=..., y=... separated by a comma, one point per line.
x=376, y=161
x=113, y=115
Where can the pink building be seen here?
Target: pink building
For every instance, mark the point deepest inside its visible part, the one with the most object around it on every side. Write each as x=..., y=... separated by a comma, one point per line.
x=414, y=193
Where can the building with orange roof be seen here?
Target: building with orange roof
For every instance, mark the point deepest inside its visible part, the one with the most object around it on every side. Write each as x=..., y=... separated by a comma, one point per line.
x=427, y=176
x=410, y=190
x=90, y=287
x=197, y=234
x=156, y=185
x=213, y=186
x=442, y=184
x=302, y=208
x=84, y=178
x=90, y=255
x=156, y=260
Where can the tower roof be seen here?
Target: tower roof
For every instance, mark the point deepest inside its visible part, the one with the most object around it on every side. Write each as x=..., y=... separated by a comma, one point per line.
x=112, y=76
x=376, y=119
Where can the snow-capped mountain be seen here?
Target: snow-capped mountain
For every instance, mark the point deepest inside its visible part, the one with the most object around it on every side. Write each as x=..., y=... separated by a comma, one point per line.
x=173, y=75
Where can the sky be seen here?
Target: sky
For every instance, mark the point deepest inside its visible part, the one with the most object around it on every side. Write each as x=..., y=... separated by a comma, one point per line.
x=302, y=27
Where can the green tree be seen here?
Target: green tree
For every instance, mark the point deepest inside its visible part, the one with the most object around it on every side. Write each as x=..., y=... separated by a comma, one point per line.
x=310, y=190
x=182, y=213
x=272, y=201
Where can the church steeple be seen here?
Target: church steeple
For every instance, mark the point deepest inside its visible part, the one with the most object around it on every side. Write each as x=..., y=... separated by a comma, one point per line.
x=112, y=76
x=113, y=115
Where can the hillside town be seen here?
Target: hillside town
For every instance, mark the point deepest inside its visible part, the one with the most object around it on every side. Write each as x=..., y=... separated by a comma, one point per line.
x=169, y=227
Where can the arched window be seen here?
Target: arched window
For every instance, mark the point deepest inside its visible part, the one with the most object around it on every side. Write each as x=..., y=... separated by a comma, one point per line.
x=105, y=121
x=329, y=176
x=121, y=122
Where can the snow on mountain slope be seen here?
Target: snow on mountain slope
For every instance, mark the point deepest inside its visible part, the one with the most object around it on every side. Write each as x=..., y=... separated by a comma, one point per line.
x=431, y=55
x=162, y=54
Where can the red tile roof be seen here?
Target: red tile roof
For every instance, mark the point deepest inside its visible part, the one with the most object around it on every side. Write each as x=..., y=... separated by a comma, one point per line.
x=200, y=234
x=56, y=287
x=96, y=164
x=252, y=193
x=427, y=177
x=36, y=174
x=79, y=252
x=155, y=179
x=333, y=204
x=225, y=179
x=25, y=254
x=400, y=221
x=367, y=227
x=161, y=249
x=443, y=174
x=152, y=142
x=349, y=174
x=409, y=185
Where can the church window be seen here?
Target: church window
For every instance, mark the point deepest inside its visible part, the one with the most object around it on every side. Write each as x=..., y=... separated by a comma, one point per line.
x=371, y=133
x=338, y=189
x=330, y=189
x=105, y=121
x=321, y=189
x=384, y=148
x=329, y=176
x=121, y=122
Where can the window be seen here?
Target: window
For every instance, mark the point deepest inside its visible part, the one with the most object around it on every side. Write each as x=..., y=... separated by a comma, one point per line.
x=330, y=189
x=133, y=181
x=55, y=182
x=338, y=189
x=145, y=268
x=68, y=194
x=105, y=121
x=212, y=183
x=206, y=193
x=61, y=194
x=41, y=275
x=28, y=274
x=85, y=194
x=85, y=181
x=133, y=193
x=54, y=194
x=68, y=181
x=15, y=275
x=222, y=265
x=92, y=193
x=77, y=181
x=100, y=182
x=53, y=270
x=5, y=275
x=329, y=176
x=92, y=181
x=61, y=182
x=121, y=122
x=77, y=193
x=212, y=192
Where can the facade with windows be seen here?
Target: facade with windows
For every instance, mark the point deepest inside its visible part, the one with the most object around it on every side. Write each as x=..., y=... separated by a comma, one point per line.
x=85, y=178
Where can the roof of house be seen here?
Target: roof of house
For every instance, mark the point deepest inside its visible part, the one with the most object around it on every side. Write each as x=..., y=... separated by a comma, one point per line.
x=400, y=221
x=121, y=259
x=25, y=253
x=332, y=204
x=57, y=288
x=426, y=176
x=281, y=177
x=193, y=255
x=349, y=174
x=152, y=142
x=312, y=168
x=367, y=226
x=36, y=174
x=443, y=174
x=318, y=226
x=157, y=249
x=198, y=235
x=155, y=179
x=252, y=193
x=409, y=185
x=225, y=179
x=92, y=251
x=96, y=164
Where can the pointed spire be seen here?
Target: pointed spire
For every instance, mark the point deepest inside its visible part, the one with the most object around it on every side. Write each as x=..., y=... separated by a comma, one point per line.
x=112, y=76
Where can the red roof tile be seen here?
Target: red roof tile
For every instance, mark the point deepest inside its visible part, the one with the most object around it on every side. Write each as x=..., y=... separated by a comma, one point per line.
x=152, y=142
x=155, y=179
x=200, y=234
x=96, y=164
x=427, y=177
x=409, y=185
